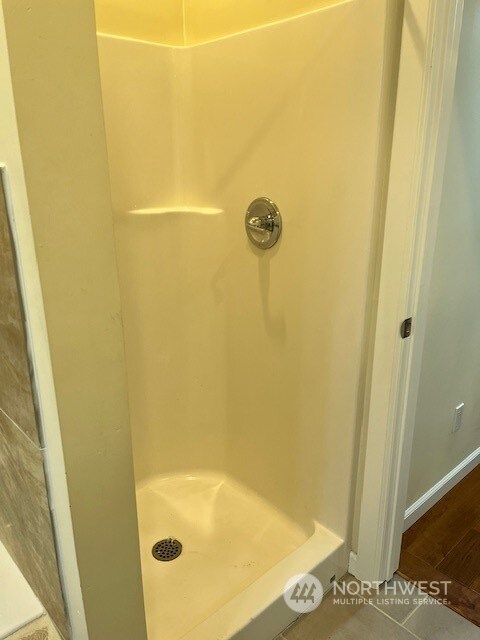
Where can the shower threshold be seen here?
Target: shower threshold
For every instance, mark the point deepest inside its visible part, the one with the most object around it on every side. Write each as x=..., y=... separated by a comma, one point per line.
x=238, y=553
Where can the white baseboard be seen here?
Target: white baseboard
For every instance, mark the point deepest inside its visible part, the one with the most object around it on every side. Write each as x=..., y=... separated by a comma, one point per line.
x=352, y=563
x=433, y=495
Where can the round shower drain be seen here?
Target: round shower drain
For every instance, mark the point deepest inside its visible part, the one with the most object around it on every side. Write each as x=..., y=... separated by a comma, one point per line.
x=167, y=549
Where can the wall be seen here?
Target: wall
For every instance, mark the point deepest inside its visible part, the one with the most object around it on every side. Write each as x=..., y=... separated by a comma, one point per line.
x=54, y=74
x=25, y=524
x=451, y=359
x=186, y=22
x=244, y=361
x=47, y=414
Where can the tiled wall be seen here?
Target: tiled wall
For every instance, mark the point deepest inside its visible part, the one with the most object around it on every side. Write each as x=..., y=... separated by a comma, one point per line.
x=25, y=523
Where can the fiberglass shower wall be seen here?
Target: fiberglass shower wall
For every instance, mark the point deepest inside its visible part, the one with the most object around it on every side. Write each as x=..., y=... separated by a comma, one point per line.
x=241, y=361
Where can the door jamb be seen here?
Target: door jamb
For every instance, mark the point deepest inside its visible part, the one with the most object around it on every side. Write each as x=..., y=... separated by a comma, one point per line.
x=428, y=61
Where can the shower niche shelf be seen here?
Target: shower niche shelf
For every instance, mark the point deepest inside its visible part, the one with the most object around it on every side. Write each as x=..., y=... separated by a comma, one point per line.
x=163, y=211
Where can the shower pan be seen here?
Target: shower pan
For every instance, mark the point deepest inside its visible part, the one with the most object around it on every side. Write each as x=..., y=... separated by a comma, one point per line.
x=243, y=360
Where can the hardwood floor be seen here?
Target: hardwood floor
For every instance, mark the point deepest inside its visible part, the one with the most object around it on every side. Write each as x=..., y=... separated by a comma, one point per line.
x=444, y=545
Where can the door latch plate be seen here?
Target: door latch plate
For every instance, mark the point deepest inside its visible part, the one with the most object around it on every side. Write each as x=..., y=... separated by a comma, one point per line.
x=406, y=328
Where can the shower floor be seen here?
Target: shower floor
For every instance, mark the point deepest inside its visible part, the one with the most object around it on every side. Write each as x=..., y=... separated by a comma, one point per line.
x=230, y=537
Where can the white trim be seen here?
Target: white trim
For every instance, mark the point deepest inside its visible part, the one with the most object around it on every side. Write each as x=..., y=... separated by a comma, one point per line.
x=443, y=486
x=430, y=41
x=352, y=563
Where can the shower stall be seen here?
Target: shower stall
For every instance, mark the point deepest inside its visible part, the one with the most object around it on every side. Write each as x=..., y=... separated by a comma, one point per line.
x=244, y=362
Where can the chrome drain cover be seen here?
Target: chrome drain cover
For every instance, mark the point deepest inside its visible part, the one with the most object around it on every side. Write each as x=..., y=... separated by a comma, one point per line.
x=167, y=549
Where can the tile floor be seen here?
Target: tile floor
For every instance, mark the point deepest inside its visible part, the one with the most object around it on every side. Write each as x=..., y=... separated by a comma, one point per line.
x=420, y=618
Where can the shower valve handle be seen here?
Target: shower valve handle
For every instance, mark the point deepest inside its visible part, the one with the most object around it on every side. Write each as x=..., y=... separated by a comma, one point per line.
x=263, y=223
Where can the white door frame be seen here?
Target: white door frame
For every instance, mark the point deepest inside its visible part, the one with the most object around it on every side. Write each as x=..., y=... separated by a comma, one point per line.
x=428, y=60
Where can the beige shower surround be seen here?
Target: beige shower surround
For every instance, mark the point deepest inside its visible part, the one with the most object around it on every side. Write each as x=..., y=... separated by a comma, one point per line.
x=208, y=320
x=244, y=365
x=188, y=22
